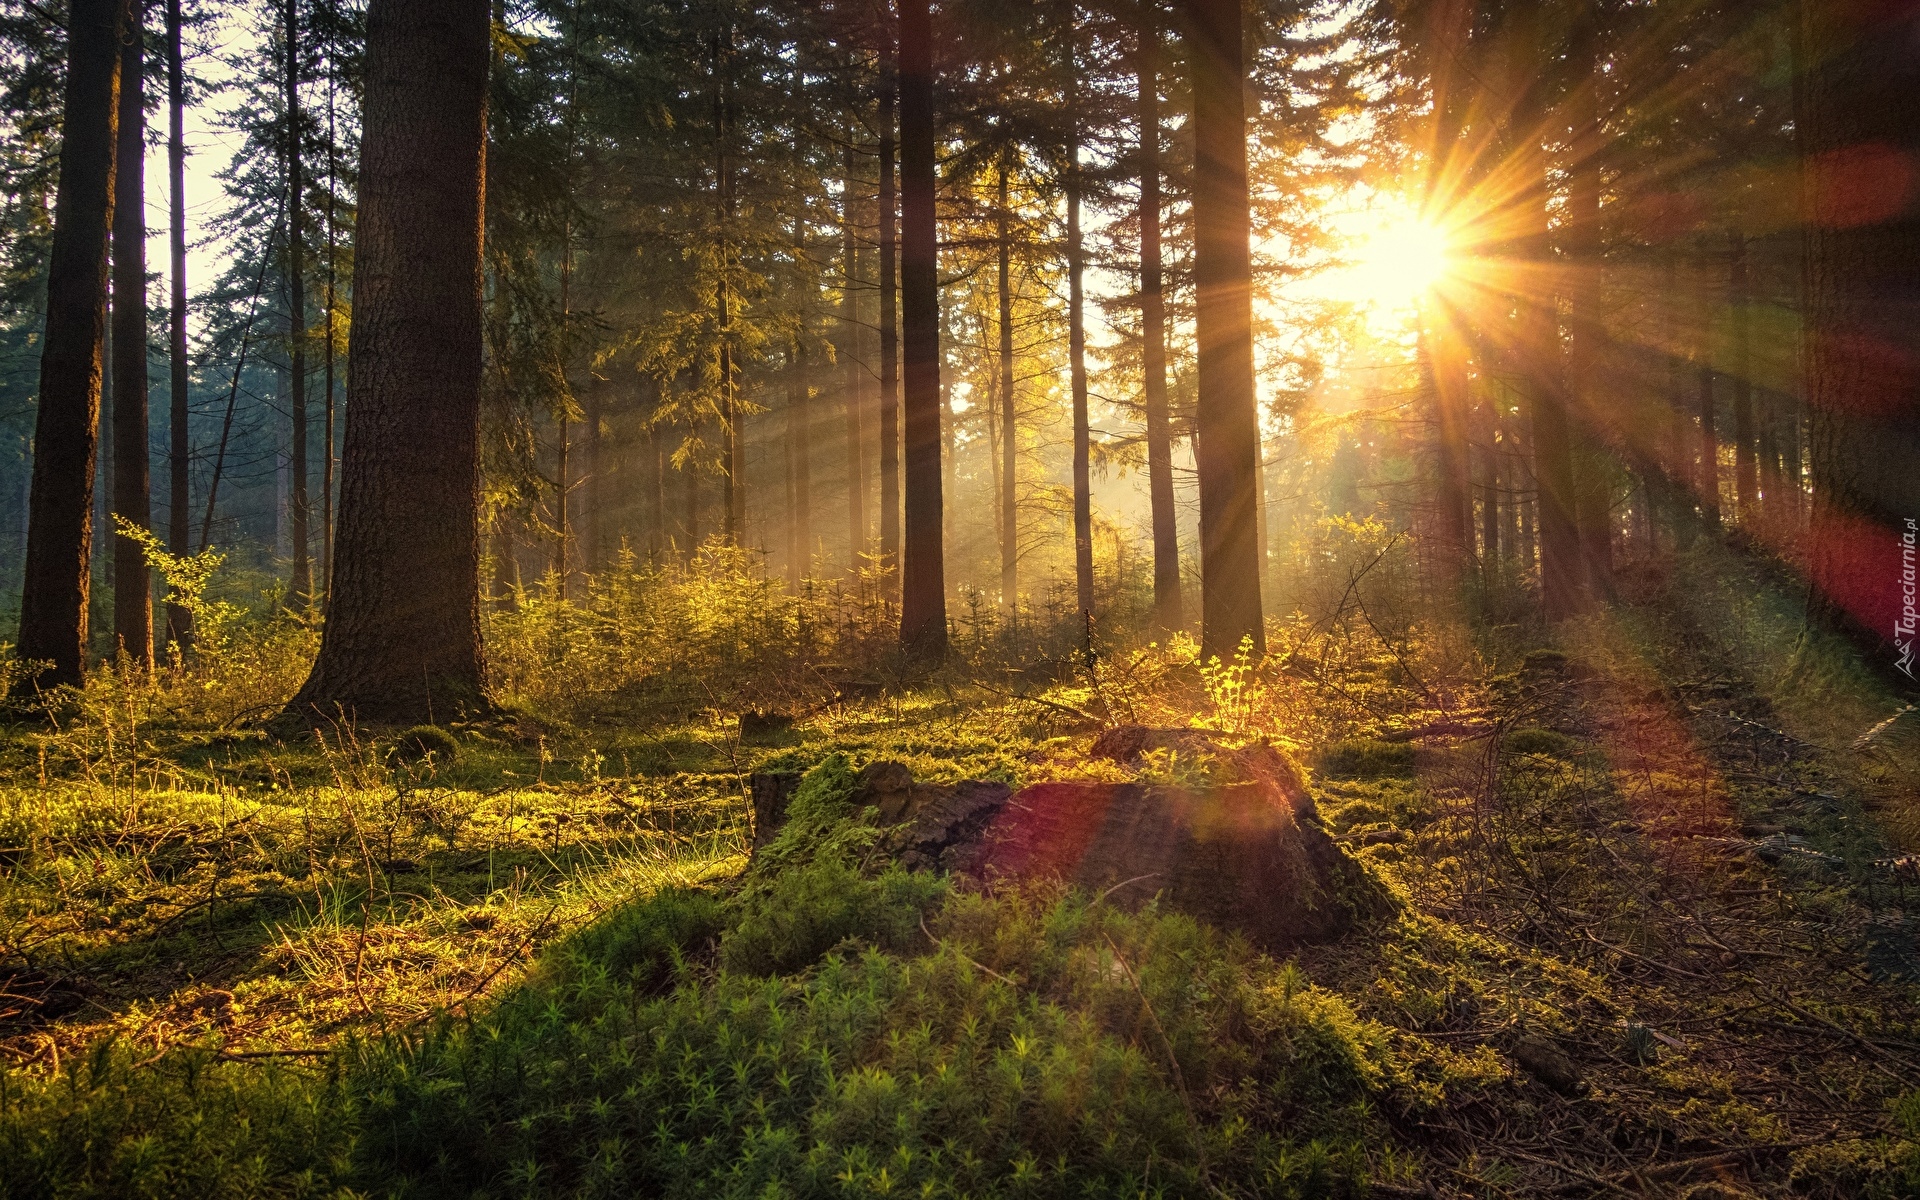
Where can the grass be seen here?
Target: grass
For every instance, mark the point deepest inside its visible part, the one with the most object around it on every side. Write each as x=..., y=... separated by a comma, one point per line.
x=530, y=958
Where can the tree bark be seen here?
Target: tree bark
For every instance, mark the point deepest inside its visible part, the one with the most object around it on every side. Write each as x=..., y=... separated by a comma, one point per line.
x=1708, y=480
x=332, y=299
x=889, y=339
x=1167, y=605
x=923, y=589
x=799, y=447
x=1009, y=412
x=589, y=551
x=132, y=492
x=66, y=431
x=1446, y=386
x=1537, y=335
x=179, y=444
x=1861, y=122
x=300, y=588
x=402, y=639
x=850, y=370
x=1490, y=490
x=690, y=509
x=1442, y=348
x=1077, y=377
x=1587, y=337
x=1746, y=467
x=1227, y=424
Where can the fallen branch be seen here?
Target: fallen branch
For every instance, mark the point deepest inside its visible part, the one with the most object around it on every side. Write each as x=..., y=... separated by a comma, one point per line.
x=1069, y=709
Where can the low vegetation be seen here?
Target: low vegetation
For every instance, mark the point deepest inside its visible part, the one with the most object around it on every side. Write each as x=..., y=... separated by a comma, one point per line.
x=1651, y=931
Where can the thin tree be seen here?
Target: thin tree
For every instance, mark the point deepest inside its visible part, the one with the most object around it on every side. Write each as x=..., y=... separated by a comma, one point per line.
x=1586, y=330
x=66, y=430
x=1009, y=411
x=1442, y=349
x=1167, y=604
x=1708, y=481
x=1746, y=468
x=179, y=444
x=800, y=461
x=1536, y=334
x=132, y=495
x=732, y=416
x=1077, y=382
x=850, y=368
x=300, y=588
x=889, y=337
x=402, y=638
x=332, y=301
x=923, y=591
x=1227, y=422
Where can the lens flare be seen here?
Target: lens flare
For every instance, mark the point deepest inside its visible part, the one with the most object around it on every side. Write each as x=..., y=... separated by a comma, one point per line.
x=1394, y=264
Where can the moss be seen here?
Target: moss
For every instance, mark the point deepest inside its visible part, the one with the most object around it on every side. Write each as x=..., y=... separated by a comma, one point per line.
x=1364, y=758
x=1041, y=1044
x=1543, y=743
x=422, y=742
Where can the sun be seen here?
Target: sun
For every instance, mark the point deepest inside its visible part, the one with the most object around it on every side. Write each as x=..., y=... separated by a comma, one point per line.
x=1392, y=263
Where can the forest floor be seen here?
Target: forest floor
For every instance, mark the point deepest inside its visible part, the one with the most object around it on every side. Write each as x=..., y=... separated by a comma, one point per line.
x=1656, y=932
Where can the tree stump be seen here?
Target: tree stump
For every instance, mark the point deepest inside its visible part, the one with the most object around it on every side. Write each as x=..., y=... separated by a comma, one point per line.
x=1237, y=856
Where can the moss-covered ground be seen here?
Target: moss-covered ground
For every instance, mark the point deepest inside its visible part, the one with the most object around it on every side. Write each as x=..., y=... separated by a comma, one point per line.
x=1654, y=937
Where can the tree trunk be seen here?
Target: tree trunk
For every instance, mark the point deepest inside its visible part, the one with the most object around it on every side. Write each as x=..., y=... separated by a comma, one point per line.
x=1766, y=441
x=730, y=409
x=1446, y=386
x=658, y=539
x=1227, y=423
x=562, y=494
x=799, y=446
x=1167, y=614
x=923, y=589
x=889, y=340
x=850, y=370
x=1746, y=468
x=329, y=407
x=1561, y=569
x=690, y=511
x=300, y=589
x=1862, y=130
x=179, y=445
x=1489, y=490
x=1009, y=414
x=949, y=440
x=592, y=478
x=402, y=639
x=1587, y=339
x=66, y=431
x=1077, y=375
x=132, y=495
x=1708, y=480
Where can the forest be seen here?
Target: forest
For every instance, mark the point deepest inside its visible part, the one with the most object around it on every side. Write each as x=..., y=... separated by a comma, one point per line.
x=959, y=598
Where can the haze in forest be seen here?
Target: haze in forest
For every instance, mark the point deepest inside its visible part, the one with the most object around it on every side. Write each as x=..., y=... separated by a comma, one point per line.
x=968, y=598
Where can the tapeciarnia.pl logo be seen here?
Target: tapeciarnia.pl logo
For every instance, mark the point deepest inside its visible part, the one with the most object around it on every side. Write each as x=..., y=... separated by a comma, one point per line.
x=1903, y=629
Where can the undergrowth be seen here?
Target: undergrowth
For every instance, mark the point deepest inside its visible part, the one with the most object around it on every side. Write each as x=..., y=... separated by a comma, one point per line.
x=529, y=957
